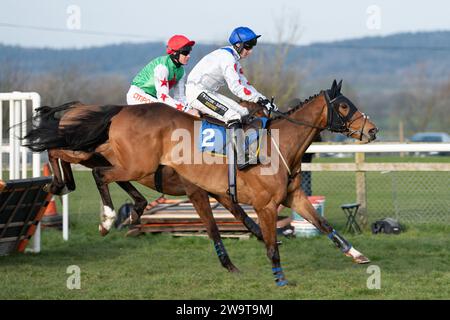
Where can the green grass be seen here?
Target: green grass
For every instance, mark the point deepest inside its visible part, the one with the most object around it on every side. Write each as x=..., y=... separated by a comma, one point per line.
x=414, y=264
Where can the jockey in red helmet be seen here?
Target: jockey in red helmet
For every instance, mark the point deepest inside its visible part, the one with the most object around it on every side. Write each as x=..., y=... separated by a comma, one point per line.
x=159, y=76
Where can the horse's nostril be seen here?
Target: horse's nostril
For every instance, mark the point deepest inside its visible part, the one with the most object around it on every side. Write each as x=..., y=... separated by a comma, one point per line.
x=373, y=131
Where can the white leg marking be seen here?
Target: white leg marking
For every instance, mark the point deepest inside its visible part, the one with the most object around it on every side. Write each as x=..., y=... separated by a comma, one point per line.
x=354, y=253
x=108, y=217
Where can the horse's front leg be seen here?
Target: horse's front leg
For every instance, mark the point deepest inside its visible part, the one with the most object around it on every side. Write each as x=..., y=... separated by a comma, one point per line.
x=200, y=200
x=267, y=218
x=241, y=215
x=298, y=201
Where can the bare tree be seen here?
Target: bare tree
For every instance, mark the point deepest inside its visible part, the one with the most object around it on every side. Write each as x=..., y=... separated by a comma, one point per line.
x=12, y=76
x=270, y=73
x=66, y=84
x=442, y=115
x=425, y=106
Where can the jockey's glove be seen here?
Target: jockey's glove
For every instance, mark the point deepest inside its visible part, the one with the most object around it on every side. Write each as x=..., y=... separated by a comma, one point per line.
x=186, y=108
x=266, y=103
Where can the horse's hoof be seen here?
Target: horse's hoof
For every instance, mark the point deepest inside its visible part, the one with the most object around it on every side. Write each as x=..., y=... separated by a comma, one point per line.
x=57, y=191
x=48, y=188
x=134, y=232
x=131, y=221
x=360, y=259
x=282, y=283
x=63, y=191
x=233, y=269
x=103, y=231
x=134, y=218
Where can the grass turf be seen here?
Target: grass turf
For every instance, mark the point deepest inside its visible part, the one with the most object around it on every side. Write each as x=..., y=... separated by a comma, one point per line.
x=414, y=265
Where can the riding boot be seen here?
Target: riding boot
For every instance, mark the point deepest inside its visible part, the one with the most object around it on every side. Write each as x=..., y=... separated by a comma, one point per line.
x=240, y=143
x=246, y=156
x=231, y=155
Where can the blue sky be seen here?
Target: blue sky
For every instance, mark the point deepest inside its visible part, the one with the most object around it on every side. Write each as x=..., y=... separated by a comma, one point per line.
x=209, y=21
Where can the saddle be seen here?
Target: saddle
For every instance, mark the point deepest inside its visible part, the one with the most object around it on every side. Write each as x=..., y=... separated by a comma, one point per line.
x=243, y=150
x=246, y=138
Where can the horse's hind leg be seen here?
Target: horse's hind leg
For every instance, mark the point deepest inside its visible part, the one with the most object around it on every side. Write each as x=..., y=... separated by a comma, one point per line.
x=139, y=200
x=267, y=217
x=57, y=186
x=241, y=215
x=68, y=175
x=298, y=201
x=200, y=200
x=103, y=176
x=96, y=160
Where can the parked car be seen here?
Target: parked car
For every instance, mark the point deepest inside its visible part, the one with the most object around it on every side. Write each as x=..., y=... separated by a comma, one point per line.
x=432, y=137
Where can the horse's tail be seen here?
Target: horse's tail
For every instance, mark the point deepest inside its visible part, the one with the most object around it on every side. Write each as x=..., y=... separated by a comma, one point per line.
x=85, y=133
x=45, y=124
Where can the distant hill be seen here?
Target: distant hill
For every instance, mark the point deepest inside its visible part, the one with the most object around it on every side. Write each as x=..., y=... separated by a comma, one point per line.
x=384, y=63
x=370, y=63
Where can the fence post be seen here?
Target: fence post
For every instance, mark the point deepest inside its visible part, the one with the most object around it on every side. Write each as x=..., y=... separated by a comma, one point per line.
x=361, y=195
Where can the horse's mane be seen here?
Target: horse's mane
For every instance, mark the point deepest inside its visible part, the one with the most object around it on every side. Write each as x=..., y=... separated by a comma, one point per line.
x=298, y=106
x=332, y=93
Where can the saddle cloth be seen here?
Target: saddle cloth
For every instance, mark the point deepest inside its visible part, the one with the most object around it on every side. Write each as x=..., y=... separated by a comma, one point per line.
x=213, y=137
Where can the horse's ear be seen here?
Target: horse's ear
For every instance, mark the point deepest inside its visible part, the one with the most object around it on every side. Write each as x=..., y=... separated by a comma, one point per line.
x=339, y=86
x=333, y=89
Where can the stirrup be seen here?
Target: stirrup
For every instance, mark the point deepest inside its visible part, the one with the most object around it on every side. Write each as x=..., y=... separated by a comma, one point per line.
x=249, y=162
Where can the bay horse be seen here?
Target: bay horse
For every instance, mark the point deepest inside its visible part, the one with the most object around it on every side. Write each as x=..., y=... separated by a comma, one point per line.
x=47, y=124
x=150, y=136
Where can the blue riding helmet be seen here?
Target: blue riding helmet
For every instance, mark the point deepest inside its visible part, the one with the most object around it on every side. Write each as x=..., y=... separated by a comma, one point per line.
x=242, y=34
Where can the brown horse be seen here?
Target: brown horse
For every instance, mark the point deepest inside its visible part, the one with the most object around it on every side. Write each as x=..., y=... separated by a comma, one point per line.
x=140, y=148
x=168, y=181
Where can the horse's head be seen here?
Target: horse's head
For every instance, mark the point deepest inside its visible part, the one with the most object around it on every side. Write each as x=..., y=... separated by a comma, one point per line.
x=344, y=117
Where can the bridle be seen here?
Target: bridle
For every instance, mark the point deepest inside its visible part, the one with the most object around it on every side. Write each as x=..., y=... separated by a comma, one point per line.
x=336, y=122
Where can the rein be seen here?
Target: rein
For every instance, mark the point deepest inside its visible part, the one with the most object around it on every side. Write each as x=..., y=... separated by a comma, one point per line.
x=299, y=123
x=335, y=123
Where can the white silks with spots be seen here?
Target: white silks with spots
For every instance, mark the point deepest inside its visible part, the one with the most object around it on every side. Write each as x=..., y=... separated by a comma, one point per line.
x=218, y=68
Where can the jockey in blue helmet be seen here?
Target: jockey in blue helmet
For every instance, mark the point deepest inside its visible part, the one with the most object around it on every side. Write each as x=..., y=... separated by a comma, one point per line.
x=222, y=67
x=243, y=38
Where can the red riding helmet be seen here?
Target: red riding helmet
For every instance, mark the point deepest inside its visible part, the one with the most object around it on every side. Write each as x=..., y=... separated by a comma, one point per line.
x=177, y=42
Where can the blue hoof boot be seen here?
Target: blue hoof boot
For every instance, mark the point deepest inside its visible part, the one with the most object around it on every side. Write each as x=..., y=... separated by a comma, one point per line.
x=282, y=283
